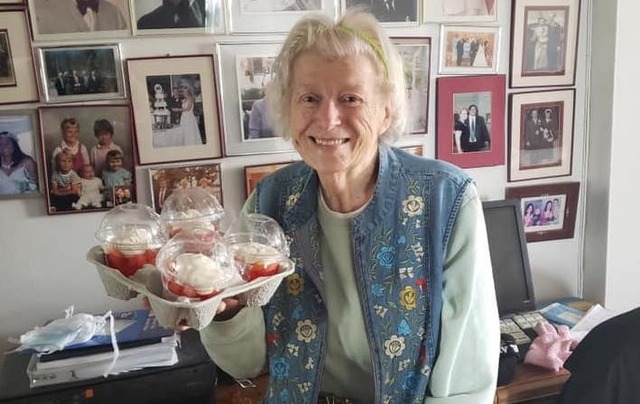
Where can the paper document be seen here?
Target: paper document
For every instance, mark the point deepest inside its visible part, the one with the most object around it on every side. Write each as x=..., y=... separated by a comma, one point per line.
x=596, y=315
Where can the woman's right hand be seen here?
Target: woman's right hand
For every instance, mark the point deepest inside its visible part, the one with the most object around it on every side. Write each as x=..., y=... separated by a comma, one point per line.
x=228, y=308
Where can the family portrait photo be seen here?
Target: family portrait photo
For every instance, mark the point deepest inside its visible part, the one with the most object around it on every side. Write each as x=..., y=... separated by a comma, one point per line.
x=469, y=50
x=7, y=73
x=79, y=73
x=542, y=135
x=88, y=157
x=416, y=57
x=388, y=11
x=177, y=16
x=460, y=10
x=543, y=213
x=545, y=46
x=168, y=179
x=18, y=161
x=254, y=76
x=64, y=19
x=472, y=122
x=261, y=6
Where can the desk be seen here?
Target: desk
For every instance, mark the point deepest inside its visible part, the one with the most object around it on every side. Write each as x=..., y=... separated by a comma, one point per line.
x=531, y=383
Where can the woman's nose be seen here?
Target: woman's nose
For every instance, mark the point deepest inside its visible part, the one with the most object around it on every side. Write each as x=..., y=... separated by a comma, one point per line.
x=329, y=114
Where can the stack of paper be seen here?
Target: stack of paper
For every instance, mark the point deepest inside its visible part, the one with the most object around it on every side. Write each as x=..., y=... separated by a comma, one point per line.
x=596, y=315
x=141, y=341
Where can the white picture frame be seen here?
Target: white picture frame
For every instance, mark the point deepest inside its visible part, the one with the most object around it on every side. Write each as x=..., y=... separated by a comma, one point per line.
x=265, y=16
x=460, y=11
x=478, y=53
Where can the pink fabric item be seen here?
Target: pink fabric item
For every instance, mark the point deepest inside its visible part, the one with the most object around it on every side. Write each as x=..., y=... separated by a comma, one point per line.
x=551, y=347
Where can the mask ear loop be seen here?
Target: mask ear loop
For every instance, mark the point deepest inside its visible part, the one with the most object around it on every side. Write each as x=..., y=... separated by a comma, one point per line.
x=114, y=343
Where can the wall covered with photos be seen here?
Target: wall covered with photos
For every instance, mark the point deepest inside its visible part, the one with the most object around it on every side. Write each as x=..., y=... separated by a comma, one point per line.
x=497, y=90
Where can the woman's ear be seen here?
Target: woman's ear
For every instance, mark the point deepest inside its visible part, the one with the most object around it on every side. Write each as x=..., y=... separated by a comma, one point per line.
x=388, y=115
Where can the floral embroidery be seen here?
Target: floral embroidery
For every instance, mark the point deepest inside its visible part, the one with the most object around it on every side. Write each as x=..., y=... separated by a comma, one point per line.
x=380, y=310
x=413, y=205
x=306, y=331
x=310, y=364
x=295, y=284
x=401, y=240
x=410, y=381
x=278, y=319
x=386, y=257
x=292, y=199
x=273, y=338
x=304, y=387
x=284, y=396
x=406, y=273
x=377, y=290
x=403, y=328
x=279, y=368
x=394, y=346
x=403, y=365
x=421, y=283
x=408, y=297
x=293, y=349
x=387, y=399
x=418, y=250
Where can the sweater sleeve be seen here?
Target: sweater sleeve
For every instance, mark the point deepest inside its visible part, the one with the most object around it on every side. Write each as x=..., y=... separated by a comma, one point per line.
x=466, y=368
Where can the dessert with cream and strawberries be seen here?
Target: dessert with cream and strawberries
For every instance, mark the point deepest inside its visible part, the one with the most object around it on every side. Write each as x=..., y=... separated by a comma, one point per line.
x=192, y=207
x=255, y=260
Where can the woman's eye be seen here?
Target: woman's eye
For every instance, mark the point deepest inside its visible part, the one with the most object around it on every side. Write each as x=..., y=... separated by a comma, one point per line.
x=309, y=99
x=350, y=99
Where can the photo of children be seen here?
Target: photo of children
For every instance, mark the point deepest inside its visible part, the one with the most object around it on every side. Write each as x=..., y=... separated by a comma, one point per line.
x=78, y=180
x=543, y=213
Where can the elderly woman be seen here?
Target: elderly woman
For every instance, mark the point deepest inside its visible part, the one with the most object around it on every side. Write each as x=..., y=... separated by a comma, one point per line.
x=392, y=298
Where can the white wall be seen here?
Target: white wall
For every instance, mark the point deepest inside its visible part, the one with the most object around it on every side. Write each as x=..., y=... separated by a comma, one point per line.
x=42, y=258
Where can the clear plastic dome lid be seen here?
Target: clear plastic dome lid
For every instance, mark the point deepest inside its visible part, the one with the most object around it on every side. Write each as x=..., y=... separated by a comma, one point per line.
x=260, y=229
x=191, y=205
x=196, y=263
x=131, y=225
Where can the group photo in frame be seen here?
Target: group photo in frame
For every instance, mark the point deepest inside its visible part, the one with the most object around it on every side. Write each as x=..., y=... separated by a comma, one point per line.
x=244, y=74
x=163, y=181
x=19, y=168
x=67, y=19
x=416, y=58
x=175, y=108
x=254, y=173
x=460, y=11
x=261, y=16
x=548, y=211
x=469, y=50
x=540, y=134
x=470, y=120
x=391, y=13
x=544, y=42
x=171, y=17
x=18, y=82
x=418, y=150
x=81, y=73
x=88, y=157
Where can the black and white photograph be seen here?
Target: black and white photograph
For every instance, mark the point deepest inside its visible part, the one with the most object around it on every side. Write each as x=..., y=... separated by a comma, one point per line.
x=388, y=12
x=274, y=16
x=177, y=16
x=254, y=76
x=18, y=159
x=541, y=134
x=416, y=57
x=88, y=155
x=7, y=72
x=261, y=6
x=79, y=19
x=175, y=108
x=78, y=73
x=455, y=11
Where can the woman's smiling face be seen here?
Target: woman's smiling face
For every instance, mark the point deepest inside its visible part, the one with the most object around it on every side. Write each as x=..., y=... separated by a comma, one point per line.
x=338, y=111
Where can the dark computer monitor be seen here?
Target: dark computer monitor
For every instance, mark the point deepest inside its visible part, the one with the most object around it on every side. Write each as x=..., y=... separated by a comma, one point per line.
x=509, y=256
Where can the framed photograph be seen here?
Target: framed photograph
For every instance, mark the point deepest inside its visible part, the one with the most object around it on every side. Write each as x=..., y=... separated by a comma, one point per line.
x=457, y=11
x=392, y=13
x=548, y=211
x=417, y=150
x=175, y=108
x=544, y=41
x=540, y=134
x=17, y=72
x=12, y=2
x=165, y=180
x=162, y=17
x=253, y=174
x=81, y=73
x=256, y=16
x=244, y=75
x=469, y=50
x=416, y=55
x=63, y=20
x=87, y=154
x=19, y=172
x=470, y=120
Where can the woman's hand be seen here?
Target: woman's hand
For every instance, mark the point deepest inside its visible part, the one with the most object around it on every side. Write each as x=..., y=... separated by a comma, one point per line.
x=228, y=308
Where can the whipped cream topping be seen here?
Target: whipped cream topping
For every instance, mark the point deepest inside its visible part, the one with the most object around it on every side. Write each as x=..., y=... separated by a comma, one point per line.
x=188, y=214
x=132, y=236
x=256, y=252
x=200, y=272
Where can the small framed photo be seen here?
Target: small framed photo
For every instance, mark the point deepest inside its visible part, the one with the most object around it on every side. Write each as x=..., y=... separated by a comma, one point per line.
x=17, y=72
x=548, y=211
x=470, y=120
x=165, y=180
x=392, y=13
x=544, y=41
x=469, y=50
x=417, y=150
x=12, y=2
x=416, y=56
x=541, y=134
x=254, y=173
x=66, y=20
x=244, y=78
x=19, y=172
x=162, y=17
x=88, y=154
x=81, y=73
x=175, y=108
x=457, y=11
x=256, y=16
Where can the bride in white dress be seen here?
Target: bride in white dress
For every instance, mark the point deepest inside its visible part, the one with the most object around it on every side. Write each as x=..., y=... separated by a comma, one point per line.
x=481, y=57
x=188, y=121
x=18, y=171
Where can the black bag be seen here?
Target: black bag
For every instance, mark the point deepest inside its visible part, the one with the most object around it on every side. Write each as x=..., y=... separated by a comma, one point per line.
x=509, y=358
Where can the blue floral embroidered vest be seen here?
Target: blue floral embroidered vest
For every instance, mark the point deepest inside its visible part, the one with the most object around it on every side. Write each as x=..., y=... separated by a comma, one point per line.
x=399, y=243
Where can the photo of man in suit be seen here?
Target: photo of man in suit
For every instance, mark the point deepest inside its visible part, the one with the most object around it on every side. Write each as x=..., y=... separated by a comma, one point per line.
x=389, y=10
x=175, y=14
x=67, y=16
x=6, y=65
x=478, y=138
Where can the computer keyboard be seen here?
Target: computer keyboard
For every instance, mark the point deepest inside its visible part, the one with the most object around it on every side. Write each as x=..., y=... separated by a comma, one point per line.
x=521, y=326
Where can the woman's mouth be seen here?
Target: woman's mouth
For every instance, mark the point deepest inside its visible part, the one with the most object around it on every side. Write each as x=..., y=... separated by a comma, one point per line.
x=329, y=142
